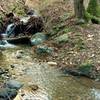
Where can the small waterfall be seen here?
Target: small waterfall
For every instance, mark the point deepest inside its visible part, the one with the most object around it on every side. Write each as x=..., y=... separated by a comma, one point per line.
x=10, y=29
x=3, y=42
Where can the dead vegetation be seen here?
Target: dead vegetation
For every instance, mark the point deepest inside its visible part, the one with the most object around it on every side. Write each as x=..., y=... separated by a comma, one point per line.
x=83, y=41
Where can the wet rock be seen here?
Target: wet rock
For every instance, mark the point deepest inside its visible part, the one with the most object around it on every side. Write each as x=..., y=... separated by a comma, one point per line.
x=13, y=84
x=86, y=69
x=73, y=72
x=7, y=94
x=42, y=49
x=10, y=29
x=3, y=71
x=38, y=38
x=2, y=42
x=12, y=66
x=62, y=39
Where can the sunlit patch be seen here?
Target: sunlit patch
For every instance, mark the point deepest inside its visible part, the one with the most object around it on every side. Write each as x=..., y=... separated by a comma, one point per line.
x=95, y=93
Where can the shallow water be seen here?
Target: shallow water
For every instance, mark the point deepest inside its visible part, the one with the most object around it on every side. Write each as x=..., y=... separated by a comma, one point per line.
x=53, y=83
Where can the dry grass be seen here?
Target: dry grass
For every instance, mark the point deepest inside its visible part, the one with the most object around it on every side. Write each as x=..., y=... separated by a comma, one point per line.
x=84, y=41
x=39, y=4
x=54, y=12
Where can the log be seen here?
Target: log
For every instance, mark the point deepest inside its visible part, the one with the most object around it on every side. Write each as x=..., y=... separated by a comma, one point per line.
x=19, y=40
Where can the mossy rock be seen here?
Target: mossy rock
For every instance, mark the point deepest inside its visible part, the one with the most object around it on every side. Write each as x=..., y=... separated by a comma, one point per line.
x=42, y=49
x=62, y=38
x=38, y=38
x=86, y=69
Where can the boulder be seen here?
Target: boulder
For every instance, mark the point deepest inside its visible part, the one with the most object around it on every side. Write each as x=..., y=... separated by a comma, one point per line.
x=7, y=94
x=38, y=38
x=13, y=84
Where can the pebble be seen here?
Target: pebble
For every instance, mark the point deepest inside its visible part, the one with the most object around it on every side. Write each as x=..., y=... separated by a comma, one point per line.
x=52, y=63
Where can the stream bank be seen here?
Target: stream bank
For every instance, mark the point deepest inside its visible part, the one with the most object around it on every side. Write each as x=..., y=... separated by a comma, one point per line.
x=52, y=83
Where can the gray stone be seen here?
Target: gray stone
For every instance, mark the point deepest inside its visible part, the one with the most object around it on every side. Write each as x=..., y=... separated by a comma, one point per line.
x=3, y=71
x=80, y=21
x=41, y=49
x=38, y=38
x=7, y=94
x=13, y=84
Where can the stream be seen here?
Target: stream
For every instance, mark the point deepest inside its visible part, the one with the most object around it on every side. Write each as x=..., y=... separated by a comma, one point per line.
x=52, y=83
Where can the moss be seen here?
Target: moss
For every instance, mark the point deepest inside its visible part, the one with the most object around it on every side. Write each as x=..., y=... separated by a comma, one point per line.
x=89, y=17
x=94, y=8
x=19, y=10
x=78, y=42
x=93, y=12
x=86, y=68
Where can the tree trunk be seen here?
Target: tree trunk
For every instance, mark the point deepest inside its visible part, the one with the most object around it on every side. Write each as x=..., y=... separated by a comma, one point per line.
x=79, y=9
x=92, y=13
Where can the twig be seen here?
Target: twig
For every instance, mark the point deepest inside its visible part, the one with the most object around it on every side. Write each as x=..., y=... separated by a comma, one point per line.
x=2, y=10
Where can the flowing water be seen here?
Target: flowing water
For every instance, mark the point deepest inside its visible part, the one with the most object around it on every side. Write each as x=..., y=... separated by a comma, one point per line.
x=53, y=84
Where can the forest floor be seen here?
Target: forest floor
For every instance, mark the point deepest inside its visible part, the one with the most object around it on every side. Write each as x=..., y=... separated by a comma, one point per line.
x=82, y=43
x=75, y=51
